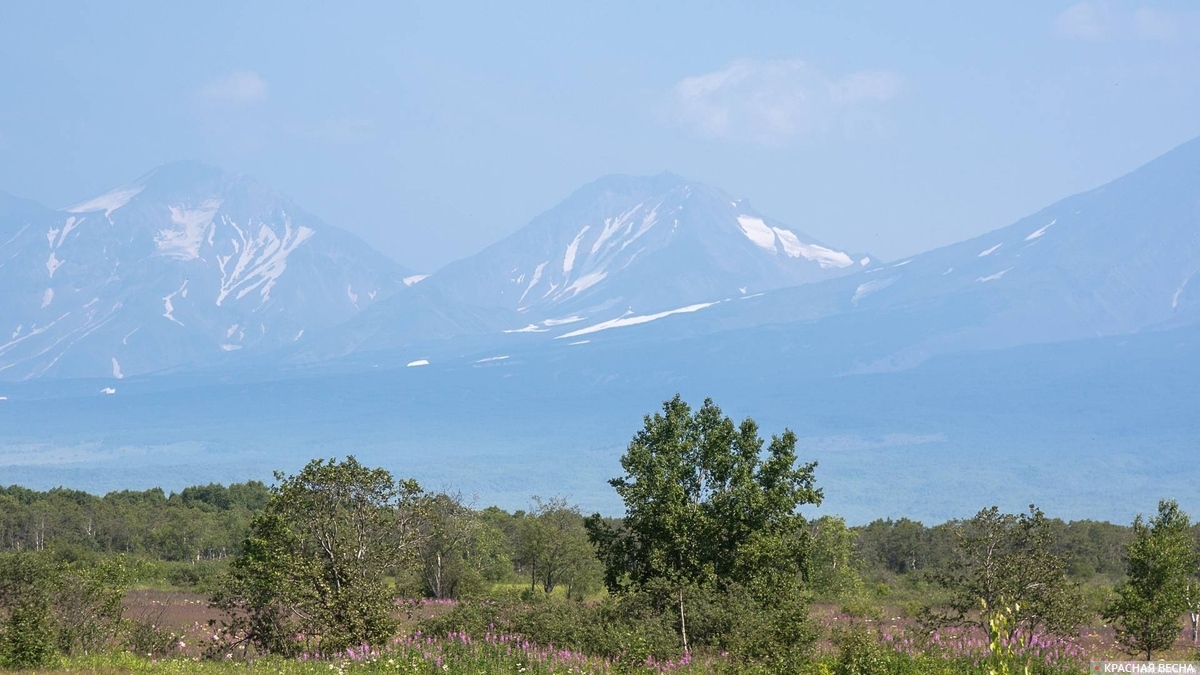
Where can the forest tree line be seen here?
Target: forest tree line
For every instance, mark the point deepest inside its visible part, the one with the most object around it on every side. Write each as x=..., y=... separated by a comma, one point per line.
x=210, y=522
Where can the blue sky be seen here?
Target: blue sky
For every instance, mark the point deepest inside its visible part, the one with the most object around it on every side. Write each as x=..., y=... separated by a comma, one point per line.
x=434, y=129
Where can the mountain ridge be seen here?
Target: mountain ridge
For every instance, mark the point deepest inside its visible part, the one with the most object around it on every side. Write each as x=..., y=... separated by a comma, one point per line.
x=177, y=267
x=617, y=246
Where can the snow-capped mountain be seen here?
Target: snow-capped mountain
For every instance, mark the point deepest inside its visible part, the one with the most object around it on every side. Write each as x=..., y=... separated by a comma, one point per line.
x=1117, y=260
x=177, y=268
x=620, y=246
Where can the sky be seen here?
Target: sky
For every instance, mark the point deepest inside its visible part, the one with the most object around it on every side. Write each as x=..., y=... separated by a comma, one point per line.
x=433, y=129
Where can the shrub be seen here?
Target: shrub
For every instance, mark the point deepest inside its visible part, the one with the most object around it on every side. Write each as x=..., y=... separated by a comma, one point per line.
x=625, y=629
x=858, y=653
x=27, y=640
x=146, y=637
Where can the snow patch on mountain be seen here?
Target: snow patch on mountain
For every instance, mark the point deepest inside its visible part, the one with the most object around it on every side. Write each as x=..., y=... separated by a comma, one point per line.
x=611, y=225
x=990, y=251
x=649, y=221
x=169, y=305
x=634, y=320
x=1040, y=231
x=757, y=231
x=108, y=202
x=824, y=257
x=569, y=256
x=71, y=224
x=993, y=277
x=15, y=236
x=537, y=275
x=52, y=264
x=191, y=225
x=564, y=320
x=261, y=260
x=870, y=287
x=1179, y=291
x=531, y=328
x=584, y=282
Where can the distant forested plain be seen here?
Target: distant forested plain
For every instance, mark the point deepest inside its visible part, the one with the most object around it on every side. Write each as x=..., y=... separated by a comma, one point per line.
x=717, y=563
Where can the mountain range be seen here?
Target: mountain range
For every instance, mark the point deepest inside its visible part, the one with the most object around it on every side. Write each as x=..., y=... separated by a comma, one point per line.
x=987, y=369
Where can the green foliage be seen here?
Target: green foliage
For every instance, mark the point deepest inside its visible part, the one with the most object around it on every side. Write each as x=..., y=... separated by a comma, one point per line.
x=1002, y=655
x=889, y=548
x=773, y=632
x=27, y=640
x=858, y=652
x=49, y=606
x=27, y=585
x=1162, y=559
x=1000, y=557
x=87, y=603
x=551, y=544
x=901, y=546
x=831, y=570
x=705, y=510
x=627, y=628
x=201, y=523
x=702, y=503
x=317, y=559
x=459, y=551
x=144, y=636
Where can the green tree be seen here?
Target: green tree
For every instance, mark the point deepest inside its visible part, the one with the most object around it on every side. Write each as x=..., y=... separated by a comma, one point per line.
x=1004, y=559
x=552, y=544
x=831, y=570
x=1159, y=562
x=458, y=549
x=704, y=508
x=316, y=562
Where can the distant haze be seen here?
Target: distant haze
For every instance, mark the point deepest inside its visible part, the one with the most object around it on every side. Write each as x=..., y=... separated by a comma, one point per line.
x=432, y=130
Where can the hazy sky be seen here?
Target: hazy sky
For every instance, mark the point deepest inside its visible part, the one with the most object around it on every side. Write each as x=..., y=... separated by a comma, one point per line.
x=434, y=129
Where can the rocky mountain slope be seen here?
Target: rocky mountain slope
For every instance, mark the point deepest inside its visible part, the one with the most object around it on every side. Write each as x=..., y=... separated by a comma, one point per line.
x=175, y=269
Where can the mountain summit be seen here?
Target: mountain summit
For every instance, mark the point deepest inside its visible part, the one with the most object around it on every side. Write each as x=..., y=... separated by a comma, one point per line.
x=622, y=245
x=643, y=244
x=178, y=267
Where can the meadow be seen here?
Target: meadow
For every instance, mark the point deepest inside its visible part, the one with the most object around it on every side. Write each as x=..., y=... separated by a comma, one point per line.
x=713, y=568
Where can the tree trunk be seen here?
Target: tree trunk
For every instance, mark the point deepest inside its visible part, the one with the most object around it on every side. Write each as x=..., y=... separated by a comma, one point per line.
x=683, y=625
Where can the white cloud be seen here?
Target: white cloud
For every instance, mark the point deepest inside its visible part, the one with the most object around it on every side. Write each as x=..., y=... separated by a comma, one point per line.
x=772, y=102
x=1103, y=20
x=241, y=87
x=1087, y=20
